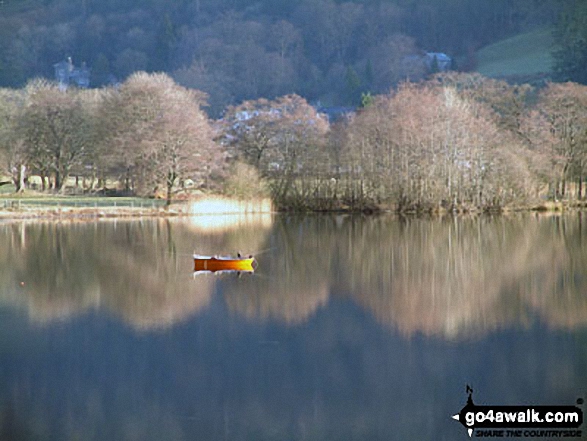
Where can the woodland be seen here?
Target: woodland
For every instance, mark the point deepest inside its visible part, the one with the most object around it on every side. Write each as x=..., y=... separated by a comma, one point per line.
x=236, y=50
x=227, y=96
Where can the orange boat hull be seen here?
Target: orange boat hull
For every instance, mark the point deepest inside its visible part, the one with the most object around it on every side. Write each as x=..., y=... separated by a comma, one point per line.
x=214, y=264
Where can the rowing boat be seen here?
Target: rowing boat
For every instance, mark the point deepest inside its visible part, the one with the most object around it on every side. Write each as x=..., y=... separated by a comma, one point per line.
x=206, y=263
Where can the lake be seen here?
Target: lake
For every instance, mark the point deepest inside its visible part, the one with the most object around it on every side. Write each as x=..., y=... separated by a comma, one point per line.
x=352, y=327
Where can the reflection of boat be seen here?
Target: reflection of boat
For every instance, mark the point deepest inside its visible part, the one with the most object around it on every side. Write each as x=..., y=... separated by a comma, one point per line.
x=207, y=263
x=220, y=273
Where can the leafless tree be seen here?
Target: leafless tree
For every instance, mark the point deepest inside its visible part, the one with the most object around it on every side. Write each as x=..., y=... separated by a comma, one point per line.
x=425, y=145
x=396, y=59
x=160, y=132
x=55, y=127
x=12, y=147
x=509, y=102
x=284, y=139
x=556, y=127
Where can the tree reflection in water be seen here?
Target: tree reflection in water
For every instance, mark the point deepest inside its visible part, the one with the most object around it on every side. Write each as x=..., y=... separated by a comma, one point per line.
x=451, y=277
x=140, y=271
x=346, y=331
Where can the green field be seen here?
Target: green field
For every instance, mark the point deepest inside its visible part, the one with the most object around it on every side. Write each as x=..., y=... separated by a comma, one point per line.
x=524, y=54
x=32, y=201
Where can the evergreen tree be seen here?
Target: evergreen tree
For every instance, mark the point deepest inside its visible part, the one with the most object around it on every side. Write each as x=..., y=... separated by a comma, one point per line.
x=353, y=86
x=100, y=70
x=369, y=75
x=166, y=41
x=434, y=67
x=570, y=35
x=367, y=99
x=454, y=66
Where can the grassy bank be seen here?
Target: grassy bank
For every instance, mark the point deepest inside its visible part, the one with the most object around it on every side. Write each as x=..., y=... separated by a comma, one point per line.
x=525, y=54
x=31, y=205
x=43, y=206
x=39, y=206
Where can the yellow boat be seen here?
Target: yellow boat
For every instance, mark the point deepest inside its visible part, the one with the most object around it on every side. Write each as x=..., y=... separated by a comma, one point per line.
x=206, y=263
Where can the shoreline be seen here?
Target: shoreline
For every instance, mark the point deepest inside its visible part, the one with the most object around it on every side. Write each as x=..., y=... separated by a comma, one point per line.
x=67, y=209
x=185, y=210
x=85, y=213
x=43, y=207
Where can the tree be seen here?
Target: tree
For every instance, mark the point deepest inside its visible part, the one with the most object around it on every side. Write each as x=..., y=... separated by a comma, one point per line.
x=284, y=39
x=508, y=102
x=353, y=86
x=101, y=70
x=570, y=36
x=556, y=128
x=165, y=43
x=395, y=60
x=284, y=139
x=161, y=132
x=129, y=61
x=56, y=128
x=425, y=146
x=215, y=86
x=12, y=146
x=366, y=99
x=369, y=77
x=434, y=67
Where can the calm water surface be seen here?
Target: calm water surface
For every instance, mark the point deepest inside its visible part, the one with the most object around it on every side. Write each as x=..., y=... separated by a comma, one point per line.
x=352, y=327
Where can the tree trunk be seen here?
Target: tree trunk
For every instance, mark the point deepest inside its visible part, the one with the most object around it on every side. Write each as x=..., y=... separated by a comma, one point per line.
x=18, y=177
x=127, y=181
x=168, y=198
x=21, y=178
x=171, y=176
x=57, y=180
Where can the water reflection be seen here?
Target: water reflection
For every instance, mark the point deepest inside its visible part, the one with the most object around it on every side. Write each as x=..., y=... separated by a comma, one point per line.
x=452, y=277
x=294, y=278
x=351, y=328
x=449, y=277
x=140, y=271
x=468, y=276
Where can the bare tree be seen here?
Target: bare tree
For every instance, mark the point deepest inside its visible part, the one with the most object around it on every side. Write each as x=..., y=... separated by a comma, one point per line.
x=55, y=127
x=509, y=102
x=396, y=59
x=161, y=133
x=12, y=146
x=425, y=146
x=284, y=139
x=285, y=39
x=556, y=128
x=214, y=84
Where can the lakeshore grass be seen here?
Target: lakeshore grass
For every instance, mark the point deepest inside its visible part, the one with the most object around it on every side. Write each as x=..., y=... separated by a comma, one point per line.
x=31, y=205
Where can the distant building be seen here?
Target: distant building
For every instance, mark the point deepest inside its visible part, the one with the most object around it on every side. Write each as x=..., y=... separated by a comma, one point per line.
x=66, y=73
x=443, y=61
x=427, y=60
x=336, y=113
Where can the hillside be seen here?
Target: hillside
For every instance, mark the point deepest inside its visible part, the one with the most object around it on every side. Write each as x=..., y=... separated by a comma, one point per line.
x=237, y=50
x=525, y=54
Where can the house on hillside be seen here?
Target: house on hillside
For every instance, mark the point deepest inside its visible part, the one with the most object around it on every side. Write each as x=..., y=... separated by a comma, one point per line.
x=66, y=73
x=429, y=62
x=336, y=113
x=443, y=62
